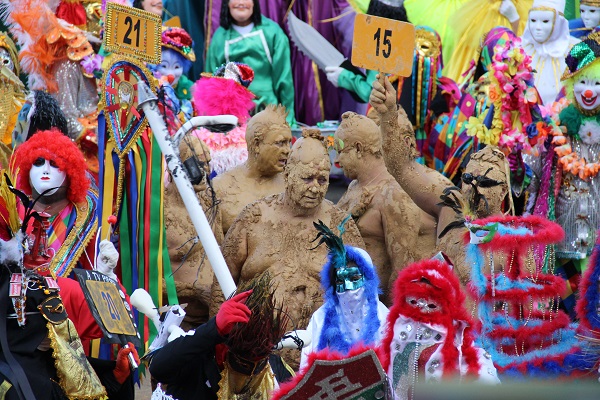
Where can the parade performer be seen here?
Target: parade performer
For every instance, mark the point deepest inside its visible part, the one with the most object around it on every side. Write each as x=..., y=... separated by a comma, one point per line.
x=430, y=335
x=547, y=40
x=177, y=56
x=565, y=183
x=41, y=353
x=274, y=232
x=268, y=139
x=229, y=357
x=352, y=313
x=390, y=223
x=225, y=93
x=477, y=18
x=247, y=36
x=50, y=164
x=590, y=19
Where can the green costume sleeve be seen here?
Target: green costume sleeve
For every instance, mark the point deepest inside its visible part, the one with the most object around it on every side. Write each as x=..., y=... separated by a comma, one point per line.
x=283, y=84
x=215, y=56
x=357, y=83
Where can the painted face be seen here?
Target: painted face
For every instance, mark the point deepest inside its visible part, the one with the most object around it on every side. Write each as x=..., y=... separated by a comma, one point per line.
x=347, y=157
x=153, y=6
x=170, y=65
x=5, y=60
x=241, y=11
x=307, y=184
x=590, y=16
x=274, y=150
x=44, y=175
x=348, y=278
x=586, y=92
x=541, y=24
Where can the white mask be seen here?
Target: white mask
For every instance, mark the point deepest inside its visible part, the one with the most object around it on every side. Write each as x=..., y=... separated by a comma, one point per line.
x=170, y=65
x=586, y=91
x=6, y=60
x=45, y=175
x=541, y=24
x=590, y=16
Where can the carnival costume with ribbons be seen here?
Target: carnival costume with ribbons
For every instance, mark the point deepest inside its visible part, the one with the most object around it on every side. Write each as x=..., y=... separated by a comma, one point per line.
x=36, y=320
x=521, y=325
x=12, y=92
x=132, y=183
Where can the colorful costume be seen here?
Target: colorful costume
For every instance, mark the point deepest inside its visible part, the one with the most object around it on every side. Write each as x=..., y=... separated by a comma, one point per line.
x=266, y=50
x=13, y=93
x=352, y=313
x=430, y=333
x=548, y=57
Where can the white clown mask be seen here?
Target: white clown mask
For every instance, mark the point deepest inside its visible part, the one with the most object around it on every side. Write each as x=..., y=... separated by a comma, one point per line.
x=44, y=175
x=586, y=91
x=541, y=24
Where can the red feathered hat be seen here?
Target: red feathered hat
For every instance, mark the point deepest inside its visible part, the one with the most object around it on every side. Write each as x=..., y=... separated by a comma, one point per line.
x=54, y=146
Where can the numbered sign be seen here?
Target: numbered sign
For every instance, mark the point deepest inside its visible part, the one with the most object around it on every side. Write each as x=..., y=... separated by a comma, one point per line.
x=134, y=32
x=383, y=45
x=108, y=306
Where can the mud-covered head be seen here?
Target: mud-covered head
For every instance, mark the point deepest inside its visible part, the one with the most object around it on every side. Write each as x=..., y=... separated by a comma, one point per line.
x=307, y=171
x=357, y=137
x=484, y=182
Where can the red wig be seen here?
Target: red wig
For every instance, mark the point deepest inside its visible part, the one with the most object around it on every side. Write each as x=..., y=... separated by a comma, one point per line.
x=54, y=146
x=433, y=280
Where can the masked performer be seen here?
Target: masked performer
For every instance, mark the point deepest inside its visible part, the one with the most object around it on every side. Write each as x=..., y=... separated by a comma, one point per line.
x=430, y=336
x=547, y=40
x=352, y=313
x=590, y=19
x=229, y=357
x=50, y=164
x=247, y=36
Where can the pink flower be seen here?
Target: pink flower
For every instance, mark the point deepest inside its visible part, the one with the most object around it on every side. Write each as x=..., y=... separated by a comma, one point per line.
x=508, y=88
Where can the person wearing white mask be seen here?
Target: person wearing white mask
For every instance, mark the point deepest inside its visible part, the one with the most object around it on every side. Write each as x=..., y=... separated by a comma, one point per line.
x=590, y=19
x=352, y=313
x=547, y=40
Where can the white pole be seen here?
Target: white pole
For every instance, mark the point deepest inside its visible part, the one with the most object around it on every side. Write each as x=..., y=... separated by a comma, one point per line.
x=148, y=103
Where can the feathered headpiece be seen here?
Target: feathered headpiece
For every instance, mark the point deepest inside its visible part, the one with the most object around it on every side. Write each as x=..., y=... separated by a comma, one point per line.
x=179, y=40
x=339, y=256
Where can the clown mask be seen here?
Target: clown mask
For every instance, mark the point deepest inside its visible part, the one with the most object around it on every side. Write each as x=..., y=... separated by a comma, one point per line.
x=171, y=65
x=590, y=16
x=45, y=175
x=586, y=92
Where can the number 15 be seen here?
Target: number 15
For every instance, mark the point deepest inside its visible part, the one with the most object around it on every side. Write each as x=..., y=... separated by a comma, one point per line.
x=387, y=34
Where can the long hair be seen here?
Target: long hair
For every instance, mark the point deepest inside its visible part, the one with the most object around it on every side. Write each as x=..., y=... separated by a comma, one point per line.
x=226, y=20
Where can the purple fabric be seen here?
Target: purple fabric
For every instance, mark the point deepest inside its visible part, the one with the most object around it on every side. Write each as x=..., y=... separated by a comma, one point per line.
x=338, y=32
x=541, y=203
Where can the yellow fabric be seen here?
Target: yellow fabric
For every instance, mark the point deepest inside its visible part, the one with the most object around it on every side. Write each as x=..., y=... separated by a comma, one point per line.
x=259, y=386
x=477, y=18
x=76, y=375
x=435, y=14
x=360, y=5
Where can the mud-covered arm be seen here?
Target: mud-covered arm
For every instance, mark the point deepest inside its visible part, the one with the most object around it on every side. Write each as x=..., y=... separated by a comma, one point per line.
x=400, y=218
x=235, y=246
x=424, y=185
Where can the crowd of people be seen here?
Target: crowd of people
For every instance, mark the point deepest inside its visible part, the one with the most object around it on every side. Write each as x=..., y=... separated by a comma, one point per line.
x=463, y=248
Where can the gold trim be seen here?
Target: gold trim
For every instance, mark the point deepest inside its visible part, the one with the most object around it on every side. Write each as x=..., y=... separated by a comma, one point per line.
x=591, y=3
x=546, y=8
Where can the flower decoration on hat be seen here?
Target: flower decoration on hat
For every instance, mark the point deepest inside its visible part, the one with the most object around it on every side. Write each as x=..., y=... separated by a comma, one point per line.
x=179, y=40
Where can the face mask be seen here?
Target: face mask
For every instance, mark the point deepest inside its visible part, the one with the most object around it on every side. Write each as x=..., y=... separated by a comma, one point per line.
x=348, y=278
x=541, y=24
x=586, y=92
x=170, y=65
x=5, y=60
x=590, y=16
x=45, y=175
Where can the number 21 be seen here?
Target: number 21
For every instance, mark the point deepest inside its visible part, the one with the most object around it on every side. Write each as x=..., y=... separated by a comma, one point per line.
x=387, y=34
x=136, y=28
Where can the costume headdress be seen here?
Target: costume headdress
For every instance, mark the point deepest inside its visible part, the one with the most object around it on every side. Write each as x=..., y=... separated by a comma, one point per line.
x=7, y=43
x=558, y=43
x=225, y=92
x=40, y=112
x=429, y=292
x=339, y=256
x=179, y=40
x=591, y=3
x=52, y=145
x=582, y=55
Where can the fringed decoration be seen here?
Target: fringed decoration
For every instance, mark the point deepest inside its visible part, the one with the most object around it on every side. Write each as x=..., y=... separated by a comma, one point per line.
x=216, y=96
